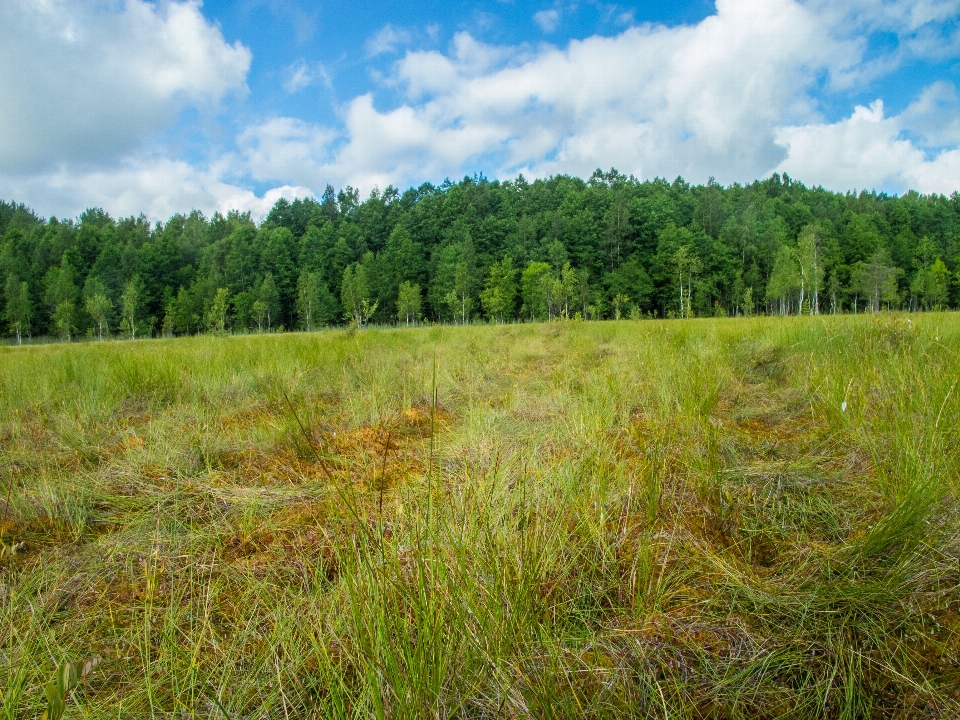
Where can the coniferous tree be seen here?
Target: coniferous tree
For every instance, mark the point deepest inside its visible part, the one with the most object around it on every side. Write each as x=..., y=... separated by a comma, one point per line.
x=668, y=248
x=876, y=279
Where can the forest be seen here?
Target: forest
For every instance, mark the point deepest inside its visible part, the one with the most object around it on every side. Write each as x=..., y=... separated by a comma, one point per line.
x=482, y=250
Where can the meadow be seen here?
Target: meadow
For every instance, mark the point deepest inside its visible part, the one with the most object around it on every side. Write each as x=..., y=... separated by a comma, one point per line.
x=728, y=518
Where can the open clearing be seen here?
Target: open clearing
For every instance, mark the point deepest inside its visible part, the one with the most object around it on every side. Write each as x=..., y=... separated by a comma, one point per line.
x=716, y=519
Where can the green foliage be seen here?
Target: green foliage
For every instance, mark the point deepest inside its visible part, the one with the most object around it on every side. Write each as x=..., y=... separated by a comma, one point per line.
x=876, y=280
x=771, y=247
x=784, y=286
x=67, y=677
x=99, y=307
x=308, y=299
x=217, y=315
x=355, y=292
x=269, y=299
x=500, y=292
x=632, y=281
x=810, y=261
x=536, y=284
x=408, y=303
x=18, y=307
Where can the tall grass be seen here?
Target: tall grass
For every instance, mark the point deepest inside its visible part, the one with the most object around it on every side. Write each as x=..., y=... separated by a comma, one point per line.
x=723, y=518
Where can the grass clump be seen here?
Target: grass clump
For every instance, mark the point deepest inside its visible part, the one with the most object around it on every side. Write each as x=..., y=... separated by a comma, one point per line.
x=712, y=519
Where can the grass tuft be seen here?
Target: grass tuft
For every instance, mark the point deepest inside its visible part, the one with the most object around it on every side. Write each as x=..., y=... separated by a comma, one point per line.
x=733, y=518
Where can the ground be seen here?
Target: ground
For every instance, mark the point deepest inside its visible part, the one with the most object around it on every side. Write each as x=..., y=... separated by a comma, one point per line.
x=708, y=518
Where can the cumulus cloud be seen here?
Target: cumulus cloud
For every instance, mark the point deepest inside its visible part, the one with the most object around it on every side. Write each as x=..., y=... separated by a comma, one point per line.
x=733, y=96
x=88, y=86
x=868, y=151
x=696, y=100
x=89, y=82
x=286, y=149
x=156, y=186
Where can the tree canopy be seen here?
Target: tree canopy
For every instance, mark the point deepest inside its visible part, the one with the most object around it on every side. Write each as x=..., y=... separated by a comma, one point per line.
x=562, y=247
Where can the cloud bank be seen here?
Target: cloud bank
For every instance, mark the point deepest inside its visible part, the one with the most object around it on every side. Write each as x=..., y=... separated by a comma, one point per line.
x=735, y=96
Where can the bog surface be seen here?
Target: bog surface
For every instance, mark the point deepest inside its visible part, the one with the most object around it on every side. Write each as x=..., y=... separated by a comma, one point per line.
x=710, y=518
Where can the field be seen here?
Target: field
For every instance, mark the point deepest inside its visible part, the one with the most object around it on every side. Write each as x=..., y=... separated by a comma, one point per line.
x=732, y=518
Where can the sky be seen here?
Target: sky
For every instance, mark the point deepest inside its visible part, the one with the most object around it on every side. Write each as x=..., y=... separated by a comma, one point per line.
x=168, y=106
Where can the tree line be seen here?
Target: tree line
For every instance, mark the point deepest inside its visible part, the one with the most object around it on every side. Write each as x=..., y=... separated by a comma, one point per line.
x=607, y=247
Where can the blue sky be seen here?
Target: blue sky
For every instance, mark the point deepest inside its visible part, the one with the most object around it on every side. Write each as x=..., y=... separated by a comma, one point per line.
x=161, y=107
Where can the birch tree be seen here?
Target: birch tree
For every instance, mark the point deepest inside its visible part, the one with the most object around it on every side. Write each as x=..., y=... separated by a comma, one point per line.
x=408, y=303
x=217, y=316
x=99, y=307
x=811, y=269
x=18, y=310
x=130, y=304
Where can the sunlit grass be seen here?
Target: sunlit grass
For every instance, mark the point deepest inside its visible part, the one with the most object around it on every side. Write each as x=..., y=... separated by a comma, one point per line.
x=719, y=518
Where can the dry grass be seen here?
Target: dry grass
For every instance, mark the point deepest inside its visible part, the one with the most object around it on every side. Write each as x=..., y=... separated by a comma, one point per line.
x=710, y=519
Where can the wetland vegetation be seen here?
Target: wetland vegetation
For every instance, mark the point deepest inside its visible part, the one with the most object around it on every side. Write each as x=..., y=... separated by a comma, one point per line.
x=719, y=518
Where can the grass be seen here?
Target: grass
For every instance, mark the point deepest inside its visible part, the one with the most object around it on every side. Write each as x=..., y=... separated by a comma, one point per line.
x=691, y=519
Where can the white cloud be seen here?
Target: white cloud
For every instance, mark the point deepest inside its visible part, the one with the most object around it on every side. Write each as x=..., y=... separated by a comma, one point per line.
x=286, y=149
x=935, y=115
x=90, y=82
x=387, y=40
x=302, y=75
x=697, y=100
x=548, y=20
x=867, y=151
x=733, y=96
x=155, y=186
